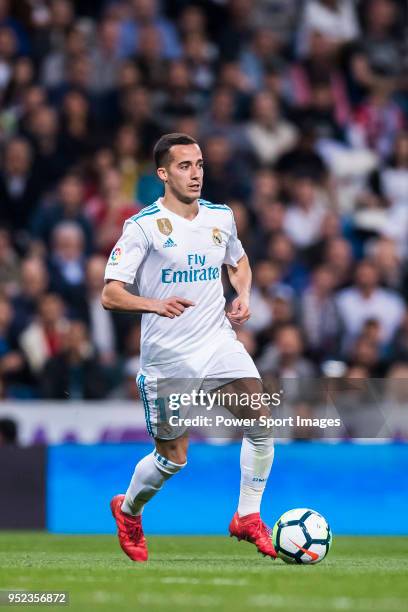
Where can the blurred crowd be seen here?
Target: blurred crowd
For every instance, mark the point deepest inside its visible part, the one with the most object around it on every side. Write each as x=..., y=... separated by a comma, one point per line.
x=301, y=109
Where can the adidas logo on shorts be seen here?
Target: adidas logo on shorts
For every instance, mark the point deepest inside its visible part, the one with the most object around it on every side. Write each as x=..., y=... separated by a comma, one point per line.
x=169, y=243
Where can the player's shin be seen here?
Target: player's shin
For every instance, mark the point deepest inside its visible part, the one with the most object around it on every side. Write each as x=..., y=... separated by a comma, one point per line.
x=148, y=478
x=257, y=452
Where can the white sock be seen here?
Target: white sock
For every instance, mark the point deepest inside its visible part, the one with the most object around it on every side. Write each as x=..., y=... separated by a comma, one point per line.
x=256, y=462
x=148, y=478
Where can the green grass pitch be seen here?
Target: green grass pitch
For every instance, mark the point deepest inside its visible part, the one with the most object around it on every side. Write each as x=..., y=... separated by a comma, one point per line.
x=205, y=573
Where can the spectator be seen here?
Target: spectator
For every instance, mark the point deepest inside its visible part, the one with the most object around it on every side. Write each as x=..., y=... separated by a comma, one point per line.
x=303, y=158
x=319, y=114
x=225, y=173
x=383, y=40
x=200, y=57
x=68, y=207
x=43, y=130
x=320, y=65
x=366, y=300
x=9, y=265
x=101, y=322
x=330, y=229
x=220, y=119
x=108, y=211
x=283, y=306
x=283, y=358
x=265, y=276
x=21, y=78
x=77, y=132
x=266, y=188
x=338, y=256
x=271, y=217
x=178, y=98
x=319, y=314
x=105, y=61
x=33, y=286
x=136, y=108
x=42, y=338
x=150, y=58
x=304, y=218
x=391, y=181
x=336, y=19
x=11, y=359
x=129, y=159
x=50, y=34
x=279, y=17
x=282, y=252
x=386, y=259
x=33, y=97
x=254, y=60
x=236, y=29
x=77, y=78
x=55, y=65
x=269, y=135
x=74, y=372
x=232, y=77
x=192, y=21
x=67, y=266
x=8, y=53
x=20, y=187
x=145, y=13
x=399, y=344
x=7, y=21
x=365, y=353
x=131, y=349
x=377, y=122
x=243, y=225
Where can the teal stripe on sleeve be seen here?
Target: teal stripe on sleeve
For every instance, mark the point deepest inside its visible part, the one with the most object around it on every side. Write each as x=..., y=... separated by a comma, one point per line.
x=145, y=214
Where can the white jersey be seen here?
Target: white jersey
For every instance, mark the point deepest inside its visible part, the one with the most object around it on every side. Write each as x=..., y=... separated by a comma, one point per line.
x=167, y=255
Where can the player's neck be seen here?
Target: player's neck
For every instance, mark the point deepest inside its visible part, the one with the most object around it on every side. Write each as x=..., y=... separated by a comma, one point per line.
x=188, y=211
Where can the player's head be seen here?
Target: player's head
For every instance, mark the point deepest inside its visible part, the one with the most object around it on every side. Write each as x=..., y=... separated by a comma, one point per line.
x=179, y=164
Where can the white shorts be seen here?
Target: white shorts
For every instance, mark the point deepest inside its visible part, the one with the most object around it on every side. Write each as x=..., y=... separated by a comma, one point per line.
x=229, y=362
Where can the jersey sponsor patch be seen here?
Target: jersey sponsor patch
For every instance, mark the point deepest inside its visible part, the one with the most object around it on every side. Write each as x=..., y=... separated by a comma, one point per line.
x=165, y=226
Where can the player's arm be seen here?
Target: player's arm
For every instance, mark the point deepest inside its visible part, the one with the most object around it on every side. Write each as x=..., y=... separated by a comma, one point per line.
x=127, y=255
x=240, y=277
x=116, y=297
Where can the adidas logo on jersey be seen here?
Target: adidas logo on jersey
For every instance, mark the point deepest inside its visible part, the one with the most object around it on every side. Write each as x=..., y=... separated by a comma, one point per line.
x=169, y=243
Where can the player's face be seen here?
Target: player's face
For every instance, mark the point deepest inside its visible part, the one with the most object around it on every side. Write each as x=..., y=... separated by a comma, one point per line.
x=183, y=175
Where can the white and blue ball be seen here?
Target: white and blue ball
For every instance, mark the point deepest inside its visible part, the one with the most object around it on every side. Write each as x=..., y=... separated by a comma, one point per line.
x=302, y=536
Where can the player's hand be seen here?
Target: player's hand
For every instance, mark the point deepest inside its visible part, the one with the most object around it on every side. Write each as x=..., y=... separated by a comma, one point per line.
x=239, y=312
x=172, y=307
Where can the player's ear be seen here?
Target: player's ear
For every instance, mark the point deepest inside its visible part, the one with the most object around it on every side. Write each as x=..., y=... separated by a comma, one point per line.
x=162, y=174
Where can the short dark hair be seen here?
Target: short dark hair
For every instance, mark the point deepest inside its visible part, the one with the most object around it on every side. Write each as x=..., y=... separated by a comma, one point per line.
x=164, y=144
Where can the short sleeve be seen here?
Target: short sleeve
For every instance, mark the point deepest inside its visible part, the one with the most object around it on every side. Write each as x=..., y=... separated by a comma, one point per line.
x=234, y=250
x=127, y=254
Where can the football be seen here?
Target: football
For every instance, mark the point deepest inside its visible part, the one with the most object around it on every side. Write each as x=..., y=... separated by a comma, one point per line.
x=302, y=536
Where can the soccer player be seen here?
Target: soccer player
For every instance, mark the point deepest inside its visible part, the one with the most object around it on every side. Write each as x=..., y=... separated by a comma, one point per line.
x=174, y=251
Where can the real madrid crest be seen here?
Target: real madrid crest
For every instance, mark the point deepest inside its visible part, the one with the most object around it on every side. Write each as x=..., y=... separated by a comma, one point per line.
x=165, y=226
x=217, y=236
